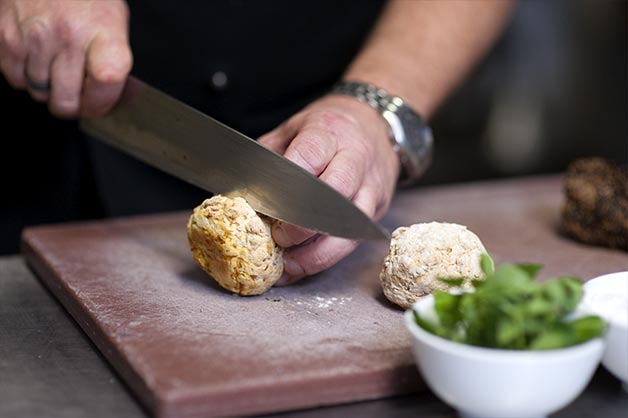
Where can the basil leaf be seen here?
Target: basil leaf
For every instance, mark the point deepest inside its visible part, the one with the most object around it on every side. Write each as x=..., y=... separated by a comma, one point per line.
x=556, y=336
x=508, y=333
x=446, y=307
x=588, y=327
x=508, y=309
x=423, y=323
x=511, y=278
x=455, y=282
x=487, y=264
x=539, y=306
x=531, y=269
x=477, y=283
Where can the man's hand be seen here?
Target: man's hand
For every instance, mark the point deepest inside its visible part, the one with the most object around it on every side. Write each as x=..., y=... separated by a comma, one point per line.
x=419, y=50
x=73, y=54
x=346, y=144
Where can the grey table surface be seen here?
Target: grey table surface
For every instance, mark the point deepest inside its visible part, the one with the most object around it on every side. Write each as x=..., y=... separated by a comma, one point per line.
x=50, y=368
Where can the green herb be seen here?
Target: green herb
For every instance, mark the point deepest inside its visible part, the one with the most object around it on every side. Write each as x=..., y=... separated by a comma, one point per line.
x=508, y=309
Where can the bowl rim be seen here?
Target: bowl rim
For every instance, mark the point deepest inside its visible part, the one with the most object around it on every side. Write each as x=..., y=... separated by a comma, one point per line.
x=605, y=276
x=592, y=284
x=497, y=354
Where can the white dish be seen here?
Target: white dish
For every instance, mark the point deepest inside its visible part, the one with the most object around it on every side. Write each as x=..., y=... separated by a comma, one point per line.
x=486, y=382
x=607, y=296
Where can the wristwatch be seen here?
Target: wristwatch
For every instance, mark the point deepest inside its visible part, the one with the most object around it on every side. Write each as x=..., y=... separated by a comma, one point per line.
x=411, y=137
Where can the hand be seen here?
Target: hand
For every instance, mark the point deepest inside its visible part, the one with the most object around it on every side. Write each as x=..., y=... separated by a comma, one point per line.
x=78, y=49
x=345, y=143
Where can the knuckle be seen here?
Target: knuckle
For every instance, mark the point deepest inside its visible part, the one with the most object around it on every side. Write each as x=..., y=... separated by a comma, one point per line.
x=344, y=181
x=108, y=73
x=113, y=71
x=332, y=122
x=312, y=151
x=36, y=34
x=332, y=118
x=337, y=127
x=362, y=152
x=66, y=32
x=11, y=43
x=328, y=117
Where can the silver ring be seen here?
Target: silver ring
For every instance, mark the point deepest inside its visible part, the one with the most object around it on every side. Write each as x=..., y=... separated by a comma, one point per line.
x=36, y=85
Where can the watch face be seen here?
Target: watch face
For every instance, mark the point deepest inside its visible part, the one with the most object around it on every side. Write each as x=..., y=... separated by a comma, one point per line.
x=418, y=135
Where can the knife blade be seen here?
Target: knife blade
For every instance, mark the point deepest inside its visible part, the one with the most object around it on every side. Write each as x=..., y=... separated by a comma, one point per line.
x=174, y=137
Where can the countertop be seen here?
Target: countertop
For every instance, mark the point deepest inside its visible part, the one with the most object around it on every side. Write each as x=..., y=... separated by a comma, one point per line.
x=50, y=368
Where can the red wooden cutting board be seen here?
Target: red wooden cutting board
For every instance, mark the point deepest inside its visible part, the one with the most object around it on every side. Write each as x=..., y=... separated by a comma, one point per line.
x=188, y=348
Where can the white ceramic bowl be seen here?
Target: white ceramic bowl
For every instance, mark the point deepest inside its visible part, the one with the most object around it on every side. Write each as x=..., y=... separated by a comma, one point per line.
x=486, y=382
x=607, y=296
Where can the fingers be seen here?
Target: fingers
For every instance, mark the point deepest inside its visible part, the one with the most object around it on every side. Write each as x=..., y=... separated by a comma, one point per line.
x=288, y=235
x=314, y=257
x=340, y=142
x=312, y=149
x=12, y=52
x=344, y=173
x=41, y=50
x=72, y=54
x=325, y=251
x=107, y=66
x=66, y=78
x=278, y=139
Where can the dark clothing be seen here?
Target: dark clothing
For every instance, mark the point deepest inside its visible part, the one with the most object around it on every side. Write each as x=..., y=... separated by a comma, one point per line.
x=277, y=55
x=254, y=63
x=250, y=64
x=273, y=58
x=44, y=172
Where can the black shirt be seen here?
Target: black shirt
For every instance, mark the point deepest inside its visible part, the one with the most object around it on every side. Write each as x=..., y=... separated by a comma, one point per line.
x=277, y=55
x=250, y=64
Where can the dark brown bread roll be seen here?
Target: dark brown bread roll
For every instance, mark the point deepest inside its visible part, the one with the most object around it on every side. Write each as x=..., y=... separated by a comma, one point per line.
x=596, y=207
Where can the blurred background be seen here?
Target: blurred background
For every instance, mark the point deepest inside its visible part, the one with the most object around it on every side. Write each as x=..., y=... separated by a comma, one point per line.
x=553, y=89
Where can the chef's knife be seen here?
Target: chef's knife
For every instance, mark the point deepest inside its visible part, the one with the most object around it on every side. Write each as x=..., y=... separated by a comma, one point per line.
x=163, y=132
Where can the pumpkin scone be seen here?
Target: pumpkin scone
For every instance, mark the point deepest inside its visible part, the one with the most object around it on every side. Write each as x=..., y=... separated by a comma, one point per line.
x=234, y=244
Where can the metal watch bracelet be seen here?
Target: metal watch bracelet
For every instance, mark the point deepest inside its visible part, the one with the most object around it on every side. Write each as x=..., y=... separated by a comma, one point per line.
x=411, y=138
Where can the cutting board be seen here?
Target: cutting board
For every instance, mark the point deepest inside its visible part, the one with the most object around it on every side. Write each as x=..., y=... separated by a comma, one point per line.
x=188, y=348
